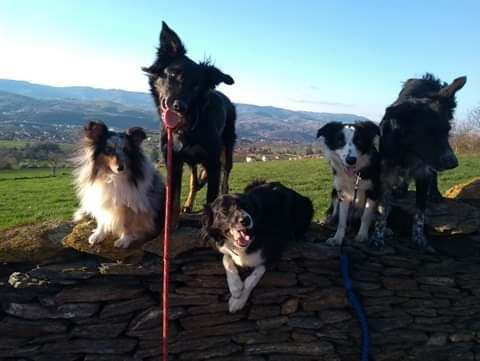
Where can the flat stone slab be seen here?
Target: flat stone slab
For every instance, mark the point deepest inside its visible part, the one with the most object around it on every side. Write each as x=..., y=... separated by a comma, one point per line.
x=78, y=240
x=34, y=243
x=182, y=240
x=467, y=192
x=449, y=217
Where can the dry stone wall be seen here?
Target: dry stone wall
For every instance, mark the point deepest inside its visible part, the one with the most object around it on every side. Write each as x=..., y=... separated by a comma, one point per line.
x=420, y=307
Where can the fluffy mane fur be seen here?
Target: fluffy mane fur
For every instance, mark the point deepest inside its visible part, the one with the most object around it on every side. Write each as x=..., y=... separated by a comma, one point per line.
x=127, y=204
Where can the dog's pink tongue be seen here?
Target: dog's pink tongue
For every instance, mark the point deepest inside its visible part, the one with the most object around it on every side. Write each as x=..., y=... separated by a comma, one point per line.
x=350, y=171
x=171, y=119
x=241, y=238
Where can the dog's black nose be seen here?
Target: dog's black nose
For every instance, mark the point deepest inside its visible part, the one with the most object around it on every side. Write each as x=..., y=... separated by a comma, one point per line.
x=448, y=161
x=120, y=168
x=179, y=106
x=246, y=221
x=351, y=160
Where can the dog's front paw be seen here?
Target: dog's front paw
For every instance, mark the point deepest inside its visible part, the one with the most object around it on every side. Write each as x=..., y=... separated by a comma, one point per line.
x=96, y=237
x=361, y=237
x=376, y=241
x=123, y=242
x=187, y=209
x=236, y=303
x=334, y=241
x=422, y=242
x=237, y=289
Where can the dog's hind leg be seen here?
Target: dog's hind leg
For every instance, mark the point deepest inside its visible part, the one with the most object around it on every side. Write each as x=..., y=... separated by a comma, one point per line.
x=226, y=161
x=434, y=194
x=213, y=179
x=418, y=226
x=236, y=304
x=377, y=240
x=177, y=169
x=80, y=215
x=367, y=218
x=235, y=284
x=188, y=205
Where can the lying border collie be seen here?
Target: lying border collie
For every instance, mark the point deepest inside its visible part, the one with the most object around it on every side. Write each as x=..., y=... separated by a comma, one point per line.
x=414, y=146
x=252, y=229
x=206, y=134
x=117, y=185
x=352, y=154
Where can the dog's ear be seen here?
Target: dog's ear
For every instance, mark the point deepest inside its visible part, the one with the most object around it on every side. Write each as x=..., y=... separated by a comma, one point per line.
x=207, y=221
x=170, y=43
x=370, y=127
x=328, y=129
x=214, y=76
x=136, y=135
x=371, y=131
x=451, y=89
x=95, y=131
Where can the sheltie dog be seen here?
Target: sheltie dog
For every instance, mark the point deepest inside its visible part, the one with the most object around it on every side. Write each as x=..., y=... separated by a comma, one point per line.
x=117, y=185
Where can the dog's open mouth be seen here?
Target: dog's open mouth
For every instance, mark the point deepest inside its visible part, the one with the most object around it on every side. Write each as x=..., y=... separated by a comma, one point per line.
x=351, y=170
x=240, y=237
x=171, y=118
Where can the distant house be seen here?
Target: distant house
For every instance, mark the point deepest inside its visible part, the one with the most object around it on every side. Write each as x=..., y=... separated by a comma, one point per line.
x=250, y=159
x=264, y=158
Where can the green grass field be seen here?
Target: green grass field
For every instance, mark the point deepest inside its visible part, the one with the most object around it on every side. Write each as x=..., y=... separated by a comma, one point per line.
x=20, y=144
x=32, y=195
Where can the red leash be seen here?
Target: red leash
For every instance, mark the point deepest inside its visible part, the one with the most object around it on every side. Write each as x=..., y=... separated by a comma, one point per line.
x=170, y=121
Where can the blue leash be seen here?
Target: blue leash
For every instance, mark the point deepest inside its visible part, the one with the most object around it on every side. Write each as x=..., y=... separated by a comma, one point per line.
x=351, y=295
x=356, y=304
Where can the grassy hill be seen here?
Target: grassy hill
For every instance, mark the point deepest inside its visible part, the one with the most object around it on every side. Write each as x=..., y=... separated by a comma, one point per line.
x=33, y=195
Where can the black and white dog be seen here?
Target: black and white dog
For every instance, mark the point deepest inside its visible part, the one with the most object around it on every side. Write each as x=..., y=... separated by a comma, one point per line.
x=206, y=135
x=352, y=154
x=252, y=229
x=414, y=146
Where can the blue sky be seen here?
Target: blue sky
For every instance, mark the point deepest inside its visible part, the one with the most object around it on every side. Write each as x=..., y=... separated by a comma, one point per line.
x=334, y=56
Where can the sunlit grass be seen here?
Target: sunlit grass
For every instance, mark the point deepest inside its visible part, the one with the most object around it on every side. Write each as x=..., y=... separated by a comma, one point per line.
x=32, y=195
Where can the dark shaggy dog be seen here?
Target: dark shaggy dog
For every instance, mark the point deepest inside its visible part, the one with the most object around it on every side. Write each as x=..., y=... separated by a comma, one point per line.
x=352, y=154
x=252, y=229
x=414, y=145
x=206, y=134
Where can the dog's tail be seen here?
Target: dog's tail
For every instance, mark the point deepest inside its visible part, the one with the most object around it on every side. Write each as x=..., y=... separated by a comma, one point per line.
x=254, y=184
x=302, y=213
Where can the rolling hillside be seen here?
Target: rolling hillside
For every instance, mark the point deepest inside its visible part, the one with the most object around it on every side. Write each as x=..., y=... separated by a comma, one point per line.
x=40, y=105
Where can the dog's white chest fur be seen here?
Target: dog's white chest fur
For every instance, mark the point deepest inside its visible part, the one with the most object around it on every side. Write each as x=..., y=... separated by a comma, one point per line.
x=243, y=259
x=345, y=186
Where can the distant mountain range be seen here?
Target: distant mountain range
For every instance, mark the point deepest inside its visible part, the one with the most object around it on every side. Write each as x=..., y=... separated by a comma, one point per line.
x=28, y=103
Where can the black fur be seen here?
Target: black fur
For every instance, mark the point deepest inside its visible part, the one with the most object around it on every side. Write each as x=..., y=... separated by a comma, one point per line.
x=414, y=145
x=208, y=116
x=280, y=215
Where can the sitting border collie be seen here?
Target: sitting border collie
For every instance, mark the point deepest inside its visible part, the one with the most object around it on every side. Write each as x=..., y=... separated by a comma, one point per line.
x=414, y=146
x=252, y=229
x=206, y=135
x=117, y=185
x=352, y=154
